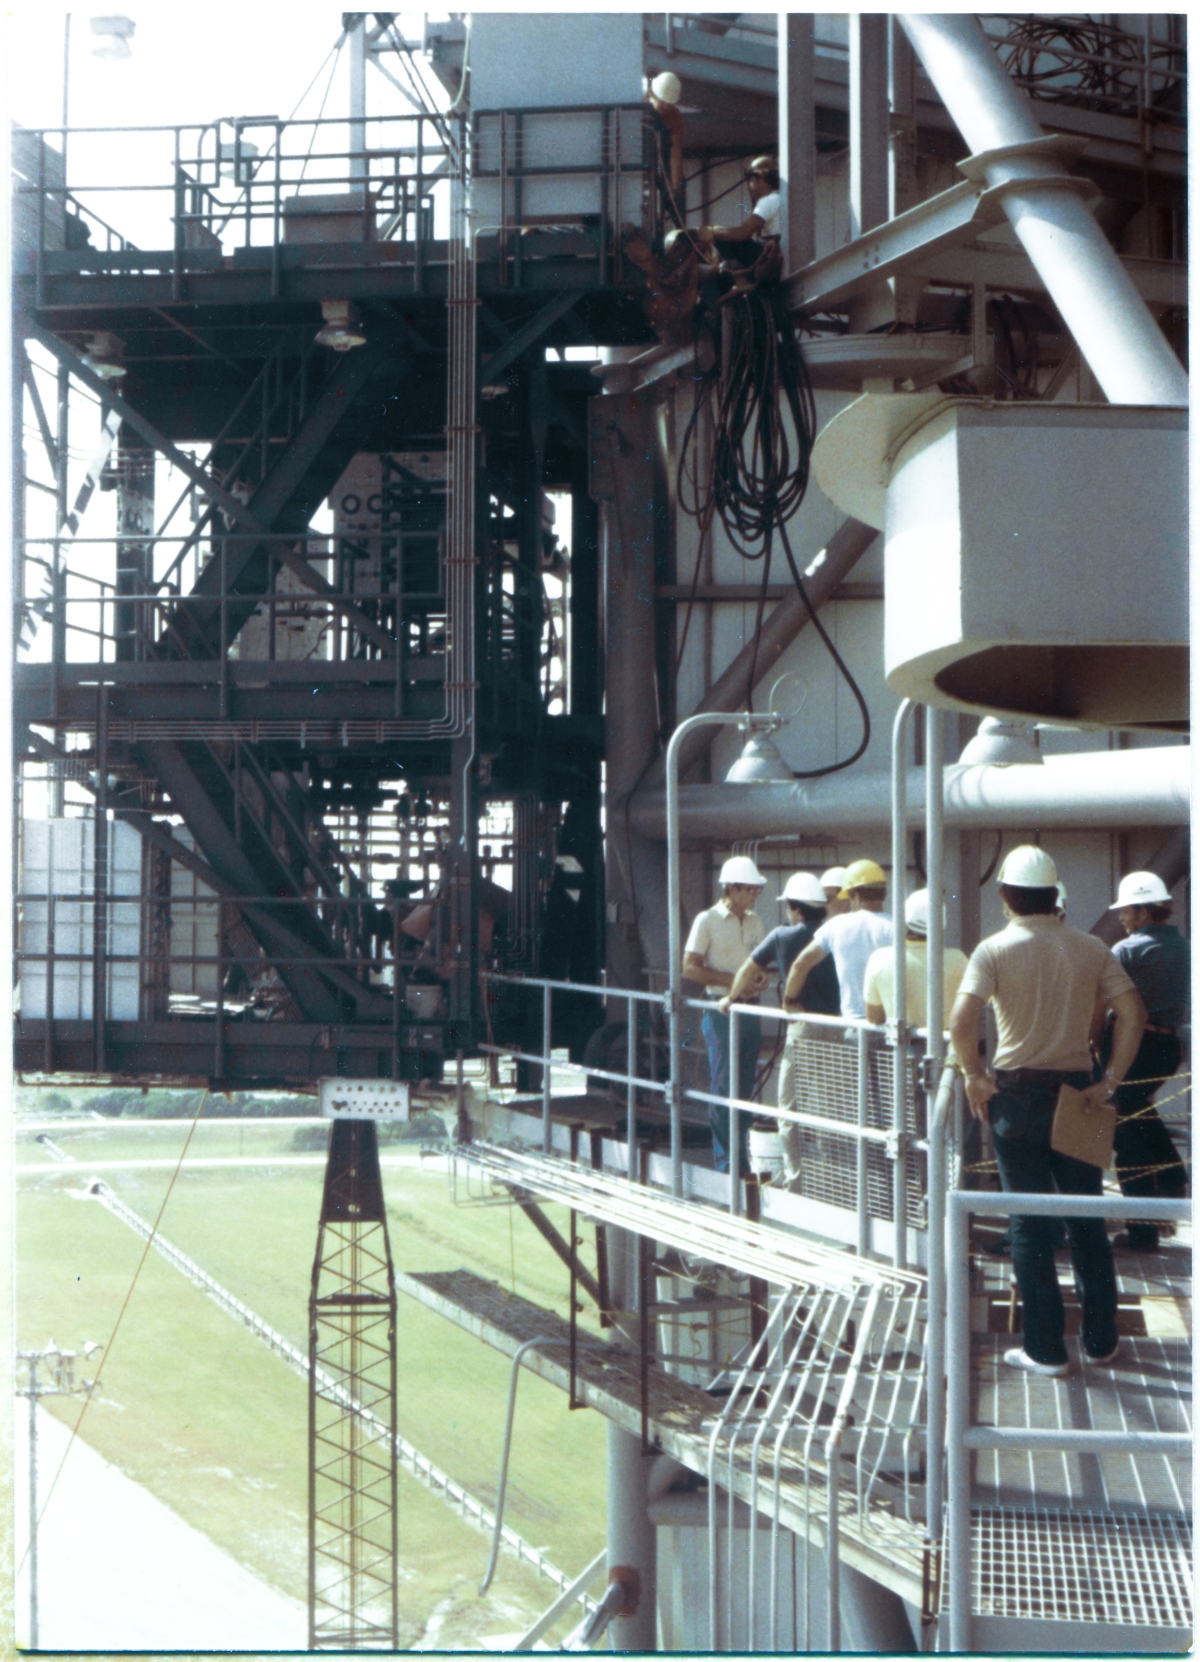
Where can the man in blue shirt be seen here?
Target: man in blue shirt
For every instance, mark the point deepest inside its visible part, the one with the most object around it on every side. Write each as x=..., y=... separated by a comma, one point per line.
x=1156, y=959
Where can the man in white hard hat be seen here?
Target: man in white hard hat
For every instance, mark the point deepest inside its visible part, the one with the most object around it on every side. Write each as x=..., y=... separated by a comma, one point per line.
x=1155, y=957
x=804, y=899
x=718, y=944
x=849, y=940
x=879, y=983
x=1043, y=980
x=666, y=90
x=833, y=882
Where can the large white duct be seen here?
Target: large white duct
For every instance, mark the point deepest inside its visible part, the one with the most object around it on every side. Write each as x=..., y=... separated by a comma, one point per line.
x=1090, y=790
x=1127, y=352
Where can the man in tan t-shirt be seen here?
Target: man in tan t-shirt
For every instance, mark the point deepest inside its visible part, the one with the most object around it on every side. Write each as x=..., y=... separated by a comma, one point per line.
x=1044, y=980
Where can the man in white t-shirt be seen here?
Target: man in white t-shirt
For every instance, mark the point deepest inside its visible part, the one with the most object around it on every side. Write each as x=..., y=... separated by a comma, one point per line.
x=849, y=940
x=718, y=944
x=741, y=245
x=879, y=984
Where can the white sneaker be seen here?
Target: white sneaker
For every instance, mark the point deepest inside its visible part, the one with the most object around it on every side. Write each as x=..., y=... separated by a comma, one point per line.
x=1047, y=1370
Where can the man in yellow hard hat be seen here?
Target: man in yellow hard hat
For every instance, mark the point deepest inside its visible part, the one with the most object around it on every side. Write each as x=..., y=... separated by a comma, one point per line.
x=849, y=939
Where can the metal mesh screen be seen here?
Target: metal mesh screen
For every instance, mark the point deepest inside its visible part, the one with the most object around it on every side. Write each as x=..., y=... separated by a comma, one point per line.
x=1132, y=1568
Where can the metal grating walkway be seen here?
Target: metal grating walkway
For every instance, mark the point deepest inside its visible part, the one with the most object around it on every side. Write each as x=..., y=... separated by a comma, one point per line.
x=1110, y=1568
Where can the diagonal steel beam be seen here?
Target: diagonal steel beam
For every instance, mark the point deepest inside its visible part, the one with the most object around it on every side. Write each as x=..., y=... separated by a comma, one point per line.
x=553, y=1239
x=524, y=337
x=38, y=410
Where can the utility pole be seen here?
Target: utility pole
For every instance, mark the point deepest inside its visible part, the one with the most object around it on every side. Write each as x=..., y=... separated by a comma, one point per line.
x=355, y=24
x=61, y=1383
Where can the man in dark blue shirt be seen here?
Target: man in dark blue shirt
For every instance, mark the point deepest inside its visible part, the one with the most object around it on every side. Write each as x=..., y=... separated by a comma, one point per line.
x=1156, y=958
x=805, y=900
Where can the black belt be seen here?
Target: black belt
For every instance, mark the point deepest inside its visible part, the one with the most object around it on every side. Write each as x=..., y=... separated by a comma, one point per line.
x=1038, y=1076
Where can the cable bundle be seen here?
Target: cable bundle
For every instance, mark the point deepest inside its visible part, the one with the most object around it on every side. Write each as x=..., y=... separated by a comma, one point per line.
x=754, y=486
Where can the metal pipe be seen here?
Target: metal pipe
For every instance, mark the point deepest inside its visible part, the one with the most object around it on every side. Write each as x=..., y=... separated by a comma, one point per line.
x=797, y=138
x=356, y=37
x=899, y=1021
x=707, y=718
x=935, y=1341
x=547, y=1129
x=1126, y=350
x=1090, y=790
x=935, y=883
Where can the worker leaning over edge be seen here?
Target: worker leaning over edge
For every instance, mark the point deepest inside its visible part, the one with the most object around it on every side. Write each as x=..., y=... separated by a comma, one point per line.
x=879, y=984
x=849, y=940
x=1156, y=958
x=1043, y=980
x=717, y=946
x=805, y=901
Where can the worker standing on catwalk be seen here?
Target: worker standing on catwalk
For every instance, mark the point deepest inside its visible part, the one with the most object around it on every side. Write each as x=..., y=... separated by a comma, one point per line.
x=879, y=985
x=1155, y=957
x=717, y=946
x=1043, y=979
x=849, y=940
x=805, y=901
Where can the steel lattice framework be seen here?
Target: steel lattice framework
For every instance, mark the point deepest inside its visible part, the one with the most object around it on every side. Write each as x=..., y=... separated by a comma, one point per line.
x=352, y=1540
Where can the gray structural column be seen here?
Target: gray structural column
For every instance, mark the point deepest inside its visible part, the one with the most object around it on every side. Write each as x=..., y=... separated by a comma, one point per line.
x=632, y=1538
x=1112, y=325
x=797, y=138
x=869, y=157
x=135, y=522
x=628, y=482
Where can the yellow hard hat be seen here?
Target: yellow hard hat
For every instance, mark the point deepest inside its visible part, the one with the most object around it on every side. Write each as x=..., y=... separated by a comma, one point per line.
x=863, y=874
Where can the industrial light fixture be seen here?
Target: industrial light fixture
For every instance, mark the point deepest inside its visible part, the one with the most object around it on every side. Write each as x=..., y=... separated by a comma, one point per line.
x=114, y=34
x=104, y=355
x=342, y=330
x=1002, y=744
x=760, y=763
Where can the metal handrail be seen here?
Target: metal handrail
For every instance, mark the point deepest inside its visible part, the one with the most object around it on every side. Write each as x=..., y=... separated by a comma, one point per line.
x=961, y=1436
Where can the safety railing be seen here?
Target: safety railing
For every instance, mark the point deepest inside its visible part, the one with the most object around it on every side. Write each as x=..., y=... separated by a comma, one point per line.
x=965, y=1440
x=861, y=1149
x=192, y=190
x=1095, y=64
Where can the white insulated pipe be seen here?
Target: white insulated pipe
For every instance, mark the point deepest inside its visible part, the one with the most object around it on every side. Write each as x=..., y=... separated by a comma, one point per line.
x=1088, y=790
x=1115, y=331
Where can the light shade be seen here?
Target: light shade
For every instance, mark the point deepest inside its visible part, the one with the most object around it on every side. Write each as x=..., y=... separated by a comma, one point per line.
x=113, y=36
x=341, y=330
x=1002, y=744
x=760, y=763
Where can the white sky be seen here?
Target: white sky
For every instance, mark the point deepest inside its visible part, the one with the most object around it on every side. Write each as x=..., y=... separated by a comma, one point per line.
x=189, y=63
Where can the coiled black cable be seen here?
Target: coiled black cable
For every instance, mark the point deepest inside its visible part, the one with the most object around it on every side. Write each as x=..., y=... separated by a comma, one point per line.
x=759, y=475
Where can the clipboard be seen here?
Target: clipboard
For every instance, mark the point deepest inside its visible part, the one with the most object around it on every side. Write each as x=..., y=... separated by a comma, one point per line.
x=1084, y=1135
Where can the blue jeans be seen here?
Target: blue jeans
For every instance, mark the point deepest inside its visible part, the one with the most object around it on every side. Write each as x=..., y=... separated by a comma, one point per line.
x=716, y=1029
x=1021, y=1115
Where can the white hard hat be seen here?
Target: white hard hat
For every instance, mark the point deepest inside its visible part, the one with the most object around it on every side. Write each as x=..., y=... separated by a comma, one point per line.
x=1028, y=867
x=834, y=878
x=741, y=869
x=667, y=87
x=1141, y=888
x=1062, y=896
x=916, y=911
x=804, y=887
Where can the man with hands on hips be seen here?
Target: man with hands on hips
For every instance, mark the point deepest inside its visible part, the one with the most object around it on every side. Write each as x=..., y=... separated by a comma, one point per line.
x=1044, y=981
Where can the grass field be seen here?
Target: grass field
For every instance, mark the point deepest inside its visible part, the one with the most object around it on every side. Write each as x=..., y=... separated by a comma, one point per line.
x=197, y=1410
